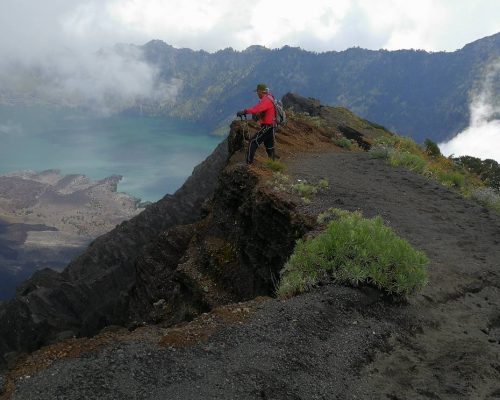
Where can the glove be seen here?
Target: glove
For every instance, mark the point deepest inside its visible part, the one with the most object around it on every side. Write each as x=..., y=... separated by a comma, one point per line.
x=241, y=113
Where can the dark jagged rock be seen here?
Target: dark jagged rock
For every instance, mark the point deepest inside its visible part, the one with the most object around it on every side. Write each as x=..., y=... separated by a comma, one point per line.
x=223, y=237
x=301, y=104
x=93, y=291
x=159, y=288
x=347, y=123
x=235, y=253
x=220, y=238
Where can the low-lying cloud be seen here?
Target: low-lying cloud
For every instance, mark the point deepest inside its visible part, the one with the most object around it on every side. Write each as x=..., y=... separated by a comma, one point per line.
x=105, y=81
x=64, y=52
x=482, y=138
x=50, y=49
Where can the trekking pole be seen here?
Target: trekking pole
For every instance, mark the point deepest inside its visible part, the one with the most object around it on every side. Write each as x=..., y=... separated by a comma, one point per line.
x=244, y=130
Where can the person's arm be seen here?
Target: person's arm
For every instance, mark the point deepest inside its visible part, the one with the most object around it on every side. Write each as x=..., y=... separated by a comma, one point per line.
x=263, y=105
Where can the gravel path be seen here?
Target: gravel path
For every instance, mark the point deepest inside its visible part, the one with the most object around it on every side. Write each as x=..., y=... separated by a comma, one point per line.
x=454, y=351
x=335, y=342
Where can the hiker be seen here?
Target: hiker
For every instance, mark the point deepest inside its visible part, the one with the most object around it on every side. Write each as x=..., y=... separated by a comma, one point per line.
x=265, y=135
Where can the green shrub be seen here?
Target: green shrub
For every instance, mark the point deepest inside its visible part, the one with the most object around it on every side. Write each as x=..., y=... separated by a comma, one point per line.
x=464, y=173
x=400, y=143
x=380, y=151
x=355, y=250
x=487, y=197
x=274, y=165
x=411, y=161
x=431, y=148
x=305, y=190
x=488, y=170
x=280, y=182
x=343, y=142
x=323, y=183
x=451, y=179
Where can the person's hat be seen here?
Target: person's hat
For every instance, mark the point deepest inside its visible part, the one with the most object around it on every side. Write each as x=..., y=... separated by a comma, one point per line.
x=262, y=87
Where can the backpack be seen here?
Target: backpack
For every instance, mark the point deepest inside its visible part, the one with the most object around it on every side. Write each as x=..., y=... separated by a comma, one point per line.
x=280, y=117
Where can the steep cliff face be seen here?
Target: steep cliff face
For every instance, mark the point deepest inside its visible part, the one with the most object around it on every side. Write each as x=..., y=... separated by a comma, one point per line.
x=180, y=257
x=233, y=254
x=92, y=291
x=222, y=237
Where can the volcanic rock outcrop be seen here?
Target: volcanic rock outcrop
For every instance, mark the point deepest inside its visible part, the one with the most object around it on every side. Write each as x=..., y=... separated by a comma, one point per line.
x=47, y=219
x=222, y=237
x=93, y=291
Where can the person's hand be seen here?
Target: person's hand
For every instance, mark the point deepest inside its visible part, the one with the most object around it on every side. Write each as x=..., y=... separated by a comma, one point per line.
x=241, y=113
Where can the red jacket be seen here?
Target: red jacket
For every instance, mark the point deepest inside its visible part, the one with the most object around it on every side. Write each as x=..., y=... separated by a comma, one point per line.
x=266, y=106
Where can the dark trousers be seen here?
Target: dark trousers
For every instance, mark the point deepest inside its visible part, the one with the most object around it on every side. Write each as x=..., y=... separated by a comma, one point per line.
x=266, y=136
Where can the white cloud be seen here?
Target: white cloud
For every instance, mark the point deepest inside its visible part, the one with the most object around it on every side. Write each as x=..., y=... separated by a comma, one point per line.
x=106, y=82
x=406, y=24
x=482, y=138
x=315, y=25
x=62, y=36
x=481, y=141
x=29, y=26
x=51, y=50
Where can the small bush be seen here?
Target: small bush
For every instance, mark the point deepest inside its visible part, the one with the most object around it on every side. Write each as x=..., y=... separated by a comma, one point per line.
x=402, y=144
x=431, y=148
x=355, y=250
x=280, y=182
x=305, y=190
x=451, y=179
x=464, y=173
x=379, y=151
x=488, y=170
x=323, y=183
x=411, y=161
x=487, y=197
x=343, y=142
x=274, y=165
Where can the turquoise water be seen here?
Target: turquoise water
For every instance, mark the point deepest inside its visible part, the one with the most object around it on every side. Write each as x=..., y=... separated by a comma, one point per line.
x=153, y=154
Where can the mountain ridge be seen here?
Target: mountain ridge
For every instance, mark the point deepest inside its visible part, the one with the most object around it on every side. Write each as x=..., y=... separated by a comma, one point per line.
x=336, y=341
x=413, y=92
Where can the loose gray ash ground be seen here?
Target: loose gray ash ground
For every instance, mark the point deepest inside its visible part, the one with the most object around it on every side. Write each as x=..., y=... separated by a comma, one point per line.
x=335, y=342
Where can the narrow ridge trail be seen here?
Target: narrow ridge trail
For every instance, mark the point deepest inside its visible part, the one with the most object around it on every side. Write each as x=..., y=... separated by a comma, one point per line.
x=454, y=351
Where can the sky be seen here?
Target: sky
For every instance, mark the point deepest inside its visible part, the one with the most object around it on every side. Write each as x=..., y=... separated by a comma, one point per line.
x=33, y=26
x=51, y=32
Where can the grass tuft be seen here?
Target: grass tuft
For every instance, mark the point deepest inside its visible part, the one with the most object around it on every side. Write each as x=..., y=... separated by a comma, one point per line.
x=488, y=197
x=343, y=142
x=453, y=173
x=411, y=161
x=323, y=183
x=380, y=151
x=305, y=190
x=275, y=165
x=355, y=250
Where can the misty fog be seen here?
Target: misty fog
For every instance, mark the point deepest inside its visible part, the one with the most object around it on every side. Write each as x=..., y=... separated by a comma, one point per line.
x=482, y=138
x=106, y=81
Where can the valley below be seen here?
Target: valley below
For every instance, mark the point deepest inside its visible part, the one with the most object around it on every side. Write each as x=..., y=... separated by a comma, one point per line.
x=46, y=219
